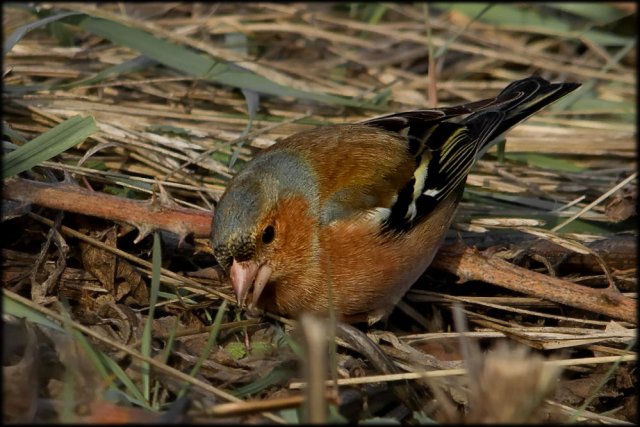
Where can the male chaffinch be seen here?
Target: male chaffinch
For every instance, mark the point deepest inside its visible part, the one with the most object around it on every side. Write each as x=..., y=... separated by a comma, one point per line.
x=349, y=216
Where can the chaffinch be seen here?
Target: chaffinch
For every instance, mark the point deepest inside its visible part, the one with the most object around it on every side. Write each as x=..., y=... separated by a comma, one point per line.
x=349, y=216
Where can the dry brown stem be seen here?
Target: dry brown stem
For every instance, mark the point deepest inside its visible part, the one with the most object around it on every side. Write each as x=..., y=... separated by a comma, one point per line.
x=463, y=261
x=145, y=215
x=470, y=264
x=618, y=251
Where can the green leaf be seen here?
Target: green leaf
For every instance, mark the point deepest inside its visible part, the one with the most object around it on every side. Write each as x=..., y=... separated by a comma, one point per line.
x=277, y=376
x=586, y=98
x=200, y=65
x=98, y=359
x=213, y=336
x=168, y=350
x=529, y=16
x=145, y=348
x=290, y=415
x=422, y=418
x=49, y=144
x=19, y=33
x=12, y=134
x=599, y=12
x=377, y=13
x=135, y=395
x=545, y=161
x=380, y=420
x=236, y=350
x=335, y=417
x=505, y=14
x=130, y=65
x=261, y=348
x=443, y=49
x=281, y=340
x=95, y=164
x=607, y=39
x=17, y=309
x=61, y=33
x=595, y=392
x=584, y=226
x=168, y=129
x=103, y=363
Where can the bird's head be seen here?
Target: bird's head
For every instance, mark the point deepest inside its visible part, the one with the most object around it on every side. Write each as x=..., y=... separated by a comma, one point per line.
x=254, y=231
x=244, y=234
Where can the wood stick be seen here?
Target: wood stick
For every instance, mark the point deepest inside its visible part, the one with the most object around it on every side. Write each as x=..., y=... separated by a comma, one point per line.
x=470, y=264
x=145, y=215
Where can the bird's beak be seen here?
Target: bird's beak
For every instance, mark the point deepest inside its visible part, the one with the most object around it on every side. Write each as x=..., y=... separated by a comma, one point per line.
x=245, y=275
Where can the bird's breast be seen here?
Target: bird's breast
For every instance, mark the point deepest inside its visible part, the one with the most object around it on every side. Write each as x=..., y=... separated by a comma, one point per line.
x=360, y=270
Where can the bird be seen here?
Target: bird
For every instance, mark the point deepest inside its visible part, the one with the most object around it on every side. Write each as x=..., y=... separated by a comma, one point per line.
x=346, y=217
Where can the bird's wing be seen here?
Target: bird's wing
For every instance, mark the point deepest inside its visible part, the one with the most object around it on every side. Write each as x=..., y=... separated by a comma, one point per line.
x=397, y=168
x=443, y=151
x=445, y=143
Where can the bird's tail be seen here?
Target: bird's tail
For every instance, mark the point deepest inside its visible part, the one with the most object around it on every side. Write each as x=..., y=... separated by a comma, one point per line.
x=514, y=104
x=447, y=142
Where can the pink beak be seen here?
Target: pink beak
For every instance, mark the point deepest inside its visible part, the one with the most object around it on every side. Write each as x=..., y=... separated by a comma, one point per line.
x=245, y=275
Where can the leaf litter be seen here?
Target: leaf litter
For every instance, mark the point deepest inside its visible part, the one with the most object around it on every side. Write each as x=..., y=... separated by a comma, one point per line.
x=164, y=127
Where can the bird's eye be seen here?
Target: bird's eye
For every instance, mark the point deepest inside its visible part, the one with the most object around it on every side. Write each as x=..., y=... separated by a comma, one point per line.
x=268, y=234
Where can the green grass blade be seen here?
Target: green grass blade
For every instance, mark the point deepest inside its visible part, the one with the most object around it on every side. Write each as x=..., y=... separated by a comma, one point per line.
x=101, y=362
x=19, y=310
x=277, y=376
x=528, y=16
x=135, y=395
x=131, y=65
x=505, y=14
x=19, y=33
x=156, y=261
x=598, y=12
x=545, y=161
x=13, y=135
x=104, y=364
x=595, y=392
x=377, y=13
x=213, y=336
x=202, y=66
x=443, y=49
x=164, y=357
x=49, y=144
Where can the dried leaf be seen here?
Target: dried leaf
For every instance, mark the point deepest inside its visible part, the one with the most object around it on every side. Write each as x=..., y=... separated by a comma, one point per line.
x=622, y=205
x=19, y=371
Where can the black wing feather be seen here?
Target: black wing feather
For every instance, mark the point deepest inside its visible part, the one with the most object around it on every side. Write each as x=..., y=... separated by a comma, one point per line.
x=446, y=142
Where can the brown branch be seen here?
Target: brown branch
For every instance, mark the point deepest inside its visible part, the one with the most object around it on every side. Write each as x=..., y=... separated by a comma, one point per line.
x=618, y=251
x=470, y=264
x=463, y=261
x=145, y=215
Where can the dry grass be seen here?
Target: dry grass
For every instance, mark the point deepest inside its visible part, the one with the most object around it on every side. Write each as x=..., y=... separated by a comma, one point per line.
x=176, y=127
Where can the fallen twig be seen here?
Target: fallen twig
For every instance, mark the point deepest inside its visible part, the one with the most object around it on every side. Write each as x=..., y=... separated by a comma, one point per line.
x=470, y=264
x=146, y=215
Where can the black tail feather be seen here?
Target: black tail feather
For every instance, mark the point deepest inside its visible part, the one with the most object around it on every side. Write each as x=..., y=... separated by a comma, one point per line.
x=522, y=98
x=446, y=144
